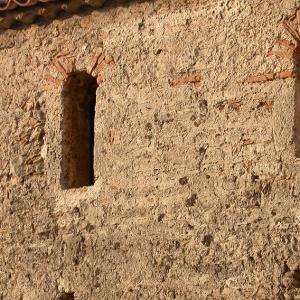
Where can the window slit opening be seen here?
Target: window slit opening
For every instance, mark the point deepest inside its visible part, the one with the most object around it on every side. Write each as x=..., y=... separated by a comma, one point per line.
x=78, y=103
x=296, y=127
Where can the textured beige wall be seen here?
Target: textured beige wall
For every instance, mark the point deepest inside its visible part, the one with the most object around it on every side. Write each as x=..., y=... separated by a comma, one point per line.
x=196, y=192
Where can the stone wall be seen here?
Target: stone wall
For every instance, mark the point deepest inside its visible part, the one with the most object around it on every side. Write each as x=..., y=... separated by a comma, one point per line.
x=196, y=192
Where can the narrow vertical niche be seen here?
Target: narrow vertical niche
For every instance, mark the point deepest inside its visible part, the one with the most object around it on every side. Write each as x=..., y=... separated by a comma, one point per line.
x=78, y=103
x=297, y=102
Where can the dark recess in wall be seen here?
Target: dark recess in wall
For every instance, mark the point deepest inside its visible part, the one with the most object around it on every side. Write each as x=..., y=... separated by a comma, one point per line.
x=78, y=110
x=297, y=102
x=66, y=296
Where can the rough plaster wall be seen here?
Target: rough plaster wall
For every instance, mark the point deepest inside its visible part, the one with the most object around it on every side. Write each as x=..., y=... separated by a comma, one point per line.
x=196, y=192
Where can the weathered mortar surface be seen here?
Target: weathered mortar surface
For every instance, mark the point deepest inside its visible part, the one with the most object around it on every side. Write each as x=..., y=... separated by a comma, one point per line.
x=196, y=192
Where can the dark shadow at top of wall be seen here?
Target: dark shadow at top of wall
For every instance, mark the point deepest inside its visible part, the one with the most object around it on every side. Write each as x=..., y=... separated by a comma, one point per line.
x=34, y=18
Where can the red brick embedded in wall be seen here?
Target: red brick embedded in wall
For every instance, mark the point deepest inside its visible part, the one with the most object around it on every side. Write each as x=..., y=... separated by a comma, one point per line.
x=292, y=31
x=186, y=78
x=260, y=78
x=286, y=44
x=282, y=54
x=287, y=74
x=288, y=52
x=231, y=104
x=98, y=63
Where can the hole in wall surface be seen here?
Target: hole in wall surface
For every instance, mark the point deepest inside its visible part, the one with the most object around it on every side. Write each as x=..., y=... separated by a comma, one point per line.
x=78, y=110
x=296, y=59
x=296, y=278
x=65, y=296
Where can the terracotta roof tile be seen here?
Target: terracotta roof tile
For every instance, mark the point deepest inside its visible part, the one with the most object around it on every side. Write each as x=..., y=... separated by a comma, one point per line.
x=12, y=4
x=27, y=11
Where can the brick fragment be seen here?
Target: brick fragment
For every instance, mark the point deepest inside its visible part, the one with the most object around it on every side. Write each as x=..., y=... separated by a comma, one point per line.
x=292, y=31
x=287, y=74
x=186, y=78
x=261, y=78
x=282, y=54
x=231, y=104
x=287, y=44
x=53, y=80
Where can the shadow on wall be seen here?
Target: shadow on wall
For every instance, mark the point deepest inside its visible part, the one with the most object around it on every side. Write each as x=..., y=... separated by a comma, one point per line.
x=65, y=296
x=44, y=13
x=296, y=58
x=78, y=110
